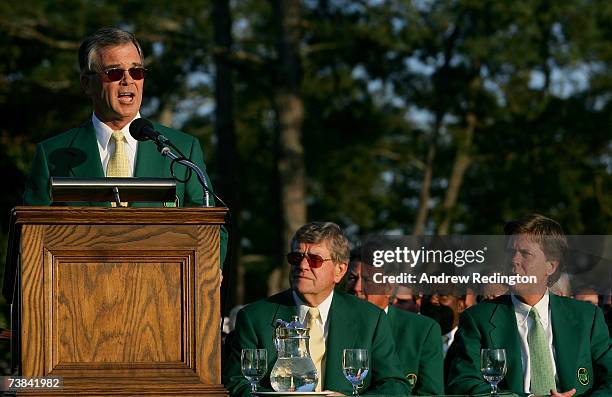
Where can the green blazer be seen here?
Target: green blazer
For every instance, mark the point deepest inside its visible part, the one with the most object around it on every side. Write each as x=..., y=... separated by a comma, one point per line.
x=75, y=153
x=353, y=323
x=419, y=346
x=580, y=338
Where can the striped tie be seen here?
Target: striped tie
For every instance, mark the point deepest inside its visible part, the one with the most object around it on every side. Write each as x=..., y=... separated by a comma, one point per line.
x=317, y=343
x=118, y=165
x=542, y=375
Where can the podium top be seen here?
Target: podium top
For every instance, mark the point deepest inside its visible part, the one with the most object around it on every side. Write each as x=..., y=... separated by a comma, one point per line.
x=23, y=215
x=68, y=189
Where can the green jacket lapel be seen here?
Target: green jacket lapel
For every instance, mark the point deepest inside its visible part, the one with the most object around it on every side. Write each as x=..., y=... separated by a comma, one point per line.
x=85, y=140
x=149, y=162
x=504, y=334
x=339, y=337
x=566, y=348
x=285, y=308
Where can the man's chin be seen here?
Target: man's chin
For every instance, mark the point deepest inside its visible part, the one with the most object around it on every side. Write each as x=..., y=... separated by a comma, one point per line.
x=527, y=289
x=301, y=286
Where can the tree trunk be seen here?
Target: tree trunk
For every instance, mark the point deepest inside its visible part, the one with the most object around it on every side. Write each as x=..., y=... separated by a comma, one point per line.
x=227, y=159
x=290, y=116
x=425, y=195
x=166, y=112
x=463, y=158
x=440, y=79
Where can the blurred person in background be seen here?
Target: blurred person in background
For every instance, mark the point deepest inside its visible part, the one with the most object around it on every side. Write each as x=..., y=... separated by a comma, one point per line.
x=406, y=298
x=587, y=293
x=416, y=337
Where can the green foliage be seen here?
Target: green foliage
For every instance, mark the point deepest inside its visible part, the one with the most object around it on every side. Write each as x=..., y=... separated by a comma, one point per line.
x=535, y=75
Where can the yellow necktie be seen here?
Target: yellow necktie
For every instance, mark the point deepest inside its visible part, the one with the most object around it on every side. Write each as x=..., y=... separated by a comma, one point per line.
x=317, y=343
x=118, y=164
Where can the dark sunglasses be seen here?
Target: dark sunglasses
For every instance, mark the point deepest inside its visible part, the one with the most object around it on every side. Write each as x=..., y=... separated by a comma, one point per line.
x=116, y=74
x=314, y=261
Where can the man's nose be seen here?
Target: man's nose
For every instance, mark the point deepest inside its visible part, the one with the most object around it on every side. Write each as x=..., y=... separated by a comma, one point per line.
x=304, y=264
x=516, y=263
x=127, y=77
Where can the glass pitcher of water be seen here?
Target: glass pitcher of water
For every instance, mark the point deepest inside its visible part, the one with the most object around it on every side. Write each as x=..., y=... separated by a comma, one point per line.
x=294, y=369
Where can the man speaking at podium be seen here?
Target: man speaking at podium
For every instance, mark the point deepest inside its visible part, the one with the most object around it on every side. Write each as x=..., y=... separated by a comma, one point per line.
x=112, y=75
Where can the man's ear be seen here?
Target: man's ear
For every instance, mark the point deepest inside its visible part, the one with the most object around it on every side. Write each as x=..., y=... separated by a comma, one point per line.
x=339, y=271
x=551, y=267
x=460, y=305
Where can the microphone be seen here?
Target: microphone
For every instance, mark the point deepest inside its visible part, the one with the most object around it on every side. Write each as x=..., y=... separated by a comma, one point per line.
x=142, y=130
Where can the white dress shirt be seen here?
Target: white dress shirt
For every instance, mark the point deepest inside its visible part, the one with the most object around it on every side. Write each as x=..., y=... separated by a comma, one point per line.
x=302, y=310
x=447, y=339
x=525, y=323
x=106, y=145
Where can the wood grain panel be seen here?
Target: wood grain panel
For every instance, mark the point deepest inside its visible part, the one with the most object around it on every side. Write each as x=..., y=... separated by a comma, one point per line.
x=118, y=308
x=113, y=237
x=119, y=215
x=121, y=309
x=32, y=316
x=206, y=280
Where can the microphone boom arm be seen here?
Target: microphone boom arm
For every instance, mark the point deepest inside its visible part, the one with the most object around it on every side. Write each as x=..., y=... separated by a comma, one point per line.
x=165, y=151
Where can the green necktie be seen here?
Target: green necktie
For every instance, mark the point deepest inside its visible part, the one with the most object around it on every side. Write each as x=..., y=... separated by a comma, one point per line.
x=542, y=375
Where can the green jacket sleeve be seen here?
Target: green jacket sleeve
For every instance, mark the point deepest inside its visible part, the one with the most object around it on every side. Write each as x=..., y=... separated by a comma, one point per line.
x=464, y=375
x=37, y=185
x=386, y=371
x=601, y=354
x=194, y=195
x=430, y=379
x=243, y=337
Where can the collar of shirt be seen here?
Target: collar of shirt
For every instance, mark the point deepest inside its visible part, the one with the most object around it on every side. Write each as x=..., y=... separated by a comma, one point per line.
x=522, y=309
x=104, y=133
x=323, y=307
x=451, y=334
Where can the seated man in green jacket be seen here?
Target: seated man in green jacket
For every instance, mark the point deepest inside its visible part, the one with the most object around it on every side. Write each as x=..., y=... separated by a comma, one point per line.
x=319, y=259
x=554, y=345
x=417, y=338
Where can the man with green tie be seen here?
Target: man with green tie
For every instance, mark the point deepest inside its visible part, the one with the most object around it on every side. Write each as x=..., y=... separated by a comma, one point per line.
x=319, y=257
x=554, y=345
x=112, y=76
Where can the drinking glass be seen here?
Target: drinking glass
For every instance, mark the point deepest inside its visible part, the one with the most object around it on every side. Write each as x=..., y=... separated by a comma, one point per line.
x=254, y=365
x=355, y=366
x=493, y=366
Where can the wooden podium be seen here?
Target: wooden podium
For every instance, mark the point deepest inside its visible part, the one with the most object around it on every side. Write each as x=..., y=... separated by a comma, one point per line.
x=117, y=301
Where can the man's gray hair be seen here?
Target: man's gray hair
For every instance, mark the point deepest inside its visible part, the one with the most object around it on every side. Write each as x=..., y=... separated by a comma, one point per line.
x=102, y=38
x=328, y=232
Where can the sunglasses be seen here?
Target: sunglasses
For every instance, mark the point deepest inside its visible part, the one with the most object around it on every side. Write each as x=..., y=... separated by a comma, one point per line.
x=116, y=74
x=314, y=261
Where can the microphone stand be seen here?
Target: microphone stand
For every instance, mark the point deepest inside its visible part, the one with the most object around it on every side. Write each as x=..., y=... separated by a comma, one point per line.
x=165, y=151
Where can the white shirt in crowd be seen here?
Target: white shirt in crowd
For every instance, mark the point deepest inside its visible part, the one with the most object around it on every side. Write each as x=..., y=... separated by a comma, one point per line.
x=447, y=339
